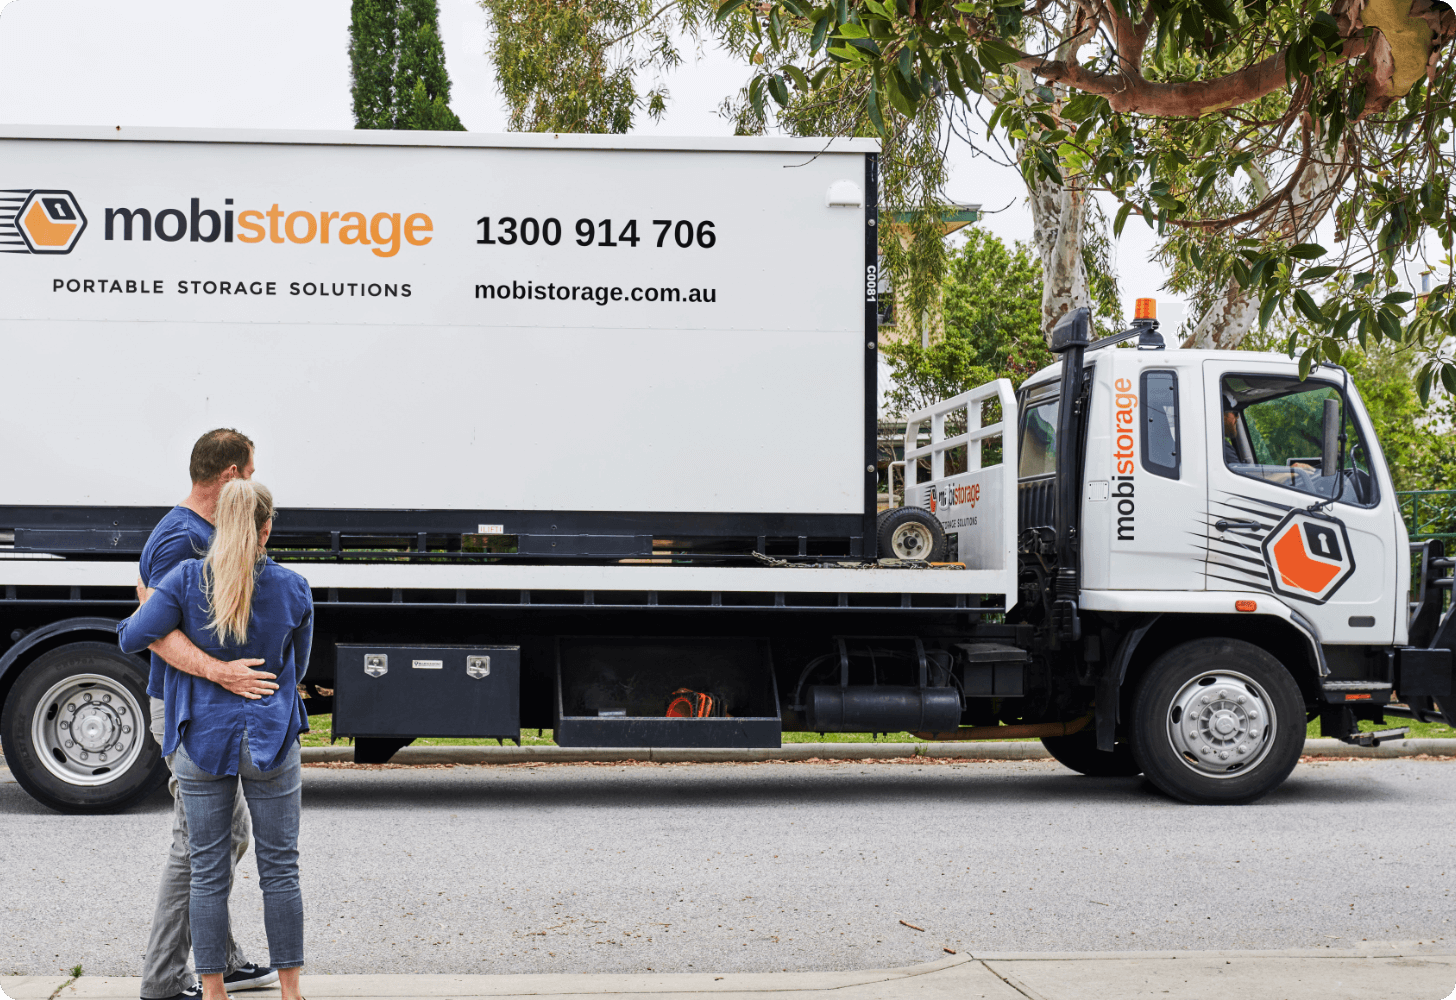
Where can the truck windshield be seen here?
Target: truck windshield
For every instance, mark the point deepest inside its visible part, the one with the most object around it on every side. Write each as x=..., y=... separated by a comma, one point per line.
x=1038, y=439
x=1272, y=430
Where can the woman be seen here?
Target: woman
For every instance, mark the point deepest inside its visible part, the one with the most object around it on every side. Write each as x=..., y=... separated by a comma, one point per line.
x=236, y=603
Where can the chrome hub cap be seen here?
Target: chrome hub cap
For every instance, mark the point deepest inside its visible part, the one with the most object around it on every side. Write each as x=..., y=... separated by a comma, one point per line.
x=1220, y=724
x=88, y=730
x=911, y=541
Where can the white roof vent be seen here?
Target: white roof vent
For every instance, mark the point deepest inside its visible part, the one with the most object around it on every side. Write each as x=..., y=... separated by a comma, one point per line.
x=844, y=194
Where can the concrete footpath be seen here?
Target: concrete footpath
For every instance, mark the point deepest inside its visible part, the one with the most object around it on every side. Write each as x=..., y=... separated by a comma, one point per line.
x=1373, y=971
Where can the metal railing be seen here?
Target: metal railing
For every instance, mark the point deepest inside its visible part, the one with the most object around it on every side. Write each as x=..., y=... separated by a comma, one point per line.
x=1429, y=514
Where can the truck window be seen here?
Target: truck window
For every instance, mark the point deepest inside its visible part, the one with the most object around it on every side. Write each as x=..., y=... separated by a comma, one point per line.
x=1272, y=430
x=1160, y=423
x=1038, y=439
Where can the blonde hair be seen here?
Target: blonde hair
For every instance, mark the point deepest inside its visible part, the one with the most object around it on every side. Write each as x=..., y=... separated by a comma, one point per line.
x=229, y=570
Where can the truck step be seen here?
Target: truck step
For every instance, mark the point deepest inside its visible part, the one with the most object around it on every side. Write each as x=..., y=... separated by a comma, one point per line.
x=1356, y=686
x=1376, y=738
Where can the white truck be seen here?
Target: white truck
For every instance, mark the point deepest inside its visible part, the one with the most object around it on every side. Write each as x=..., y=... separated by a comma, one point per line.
x=579, y=432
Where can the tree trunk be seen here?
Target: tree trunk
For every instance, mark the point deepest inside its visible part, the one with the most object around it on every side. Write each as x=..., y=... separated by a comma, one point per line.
x=1230, y=318
x=1058, y=214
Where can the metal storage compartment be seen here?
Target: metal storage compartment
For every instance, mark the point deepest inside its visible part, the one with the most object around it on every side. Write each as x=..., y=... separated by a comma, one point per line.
x=460, y=691
x=637, y=677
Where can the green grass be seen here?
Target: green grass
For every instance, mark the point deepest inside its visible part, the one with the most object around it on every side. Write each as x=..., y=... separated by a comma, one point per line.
x=1418, y=730
x=543, y=737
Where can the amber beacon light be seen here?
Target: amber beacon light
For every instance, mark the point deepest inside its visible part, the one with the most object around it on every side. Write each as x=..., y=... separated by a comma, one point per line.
x=1146, y=309
x=1246, y=606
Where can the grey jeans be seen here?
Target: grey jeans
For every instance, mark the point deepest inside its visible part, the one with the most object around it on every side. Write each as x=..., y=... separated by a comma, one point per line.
x=167, y=968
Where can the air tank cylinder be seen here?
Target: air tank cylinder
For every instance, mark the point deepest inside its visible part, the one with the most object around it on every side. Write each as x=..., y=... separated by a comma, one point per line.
x=882, y=709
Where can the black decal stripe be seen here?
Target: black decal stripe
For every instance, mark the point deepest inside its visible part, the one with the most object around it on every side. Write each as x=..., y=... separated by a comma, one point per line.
x=1260, y=500
x=1234, y=555
x=1243, y=584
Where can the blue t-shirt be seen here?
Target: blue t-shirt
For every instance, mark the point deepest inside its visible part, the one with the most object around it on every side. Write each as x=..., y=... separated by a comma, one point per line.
x=180, y=534
x=205, y=717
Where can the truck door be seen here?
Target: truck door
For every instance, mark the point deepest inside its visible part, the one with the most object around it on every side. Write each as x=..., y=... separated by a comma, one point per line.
x=1279, y=521
x=1141, y=513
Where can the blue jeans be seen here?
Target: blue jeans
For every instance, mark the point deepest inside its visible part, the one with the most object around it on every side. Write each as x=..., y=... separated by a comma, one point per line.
x=274, y=798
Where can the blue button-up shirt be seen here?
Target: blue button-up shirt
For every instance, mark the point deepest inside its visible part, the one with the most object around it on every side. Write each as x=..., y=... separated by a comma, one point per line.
x=181, y=534
x=205, y=717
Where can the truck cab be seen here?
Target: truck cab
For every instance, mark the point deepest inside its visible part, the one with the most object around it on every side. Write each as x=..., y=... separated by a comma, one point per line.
x=1210, y=555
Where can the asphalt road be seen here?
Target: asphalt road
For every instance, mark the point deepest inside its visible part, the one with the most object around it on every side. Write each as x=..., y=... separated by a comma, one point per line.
x=767, y=867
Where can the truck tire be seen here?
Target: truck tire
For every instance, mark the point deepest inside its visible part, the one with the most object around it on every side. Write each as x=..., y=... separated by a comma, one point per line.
x=1079, y=752
x=910, y=533
x=75, y=730
x=1217, y=721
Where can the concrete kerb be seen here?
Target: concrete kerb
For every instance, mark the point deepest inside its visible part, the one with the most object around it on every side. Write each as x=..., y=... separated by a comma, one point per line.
x=1029, y=750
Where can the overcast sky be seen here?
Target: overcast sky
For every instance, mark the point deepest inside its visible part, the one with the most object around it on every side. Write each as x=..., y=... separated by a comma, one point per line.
x=276, y=64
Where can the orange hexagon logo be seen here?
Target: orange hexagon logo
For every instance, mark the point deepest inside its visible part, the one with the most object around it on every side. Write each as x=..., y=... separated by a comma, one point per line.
x=48, y=221
x=1308, y=556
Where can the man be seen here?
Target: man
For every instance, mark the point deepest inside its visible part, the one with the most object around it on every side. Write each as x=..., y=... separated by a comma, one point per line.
x=184, y=533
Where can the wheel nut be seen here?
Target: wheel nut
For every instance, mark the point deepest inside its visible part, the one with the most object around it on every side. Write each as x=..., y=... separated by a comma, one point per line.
x=70, y=743
x=1253, y=713
x=1223, y=755
x=103, y=756
x=106, y=697
x=1204, y=750
x=1204, y=699
x=1243, y=748
x=87, y=696
x=1243, y=698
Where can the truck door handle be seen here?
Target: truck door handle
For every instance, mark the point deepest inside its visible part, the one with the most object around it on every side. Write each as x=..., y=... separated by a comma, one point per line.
x=1224, y=525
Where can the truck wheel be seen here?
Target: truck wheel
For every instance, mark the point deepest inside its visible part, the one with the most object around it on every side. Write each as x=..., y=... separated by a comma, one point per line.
x=911, y=533
x=1079, y=752
x=75, y=730
x=1217, y=721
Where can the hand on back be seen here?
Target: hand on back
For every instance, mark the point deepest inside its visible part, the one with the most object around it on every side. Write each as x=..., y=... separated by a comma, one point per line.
x=238, y=677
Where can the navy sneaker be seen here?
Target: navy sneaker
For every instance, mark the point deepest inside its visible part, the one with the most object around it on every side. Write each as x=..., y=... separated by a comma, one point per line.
x=249, y=977
x=191, y=993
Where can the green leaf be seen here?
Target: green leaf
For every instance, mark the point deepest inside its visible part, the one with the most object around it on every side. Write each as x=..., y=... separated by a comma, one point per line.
x=1317, y=273
x=1079, y=107
x=1342, y=328
x=778, y=90
x=821, y=29
x=755, y=95
x=1305, y=303
x=1307, y=251
x=1126, y=210
x=729, y=7
x=1396, y=297
x=1423, y=384
x=1389, y=325
x=876, y=119
x=1448, y=378
x=793, y=7
x=997, y=53
x=851, y=30
x=797, y=75
x=1266, y=311
x=1306, y=362
x=953, y=78
x=899, y=99
x=1219, y=10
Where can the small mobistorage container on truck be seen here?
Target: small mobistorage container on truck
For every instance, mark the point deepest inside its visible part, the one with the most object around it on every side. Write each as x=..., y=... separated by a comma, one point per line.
x=579, y=432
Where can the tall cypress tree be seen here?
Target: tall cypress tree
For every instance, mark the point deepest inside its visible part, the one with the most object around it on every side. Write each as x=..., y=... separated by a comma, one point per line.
x=398, y=66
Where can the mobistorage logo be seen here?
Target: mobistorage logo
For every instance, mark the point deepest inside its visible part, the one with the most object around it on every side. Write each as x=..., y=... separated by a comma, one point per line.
x=383, y=232
x=39, y=222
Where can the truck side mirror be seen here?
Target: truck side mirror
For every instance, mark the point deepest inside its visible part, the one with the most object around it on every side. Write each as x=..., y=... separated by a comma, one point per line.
x=1330, y=450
